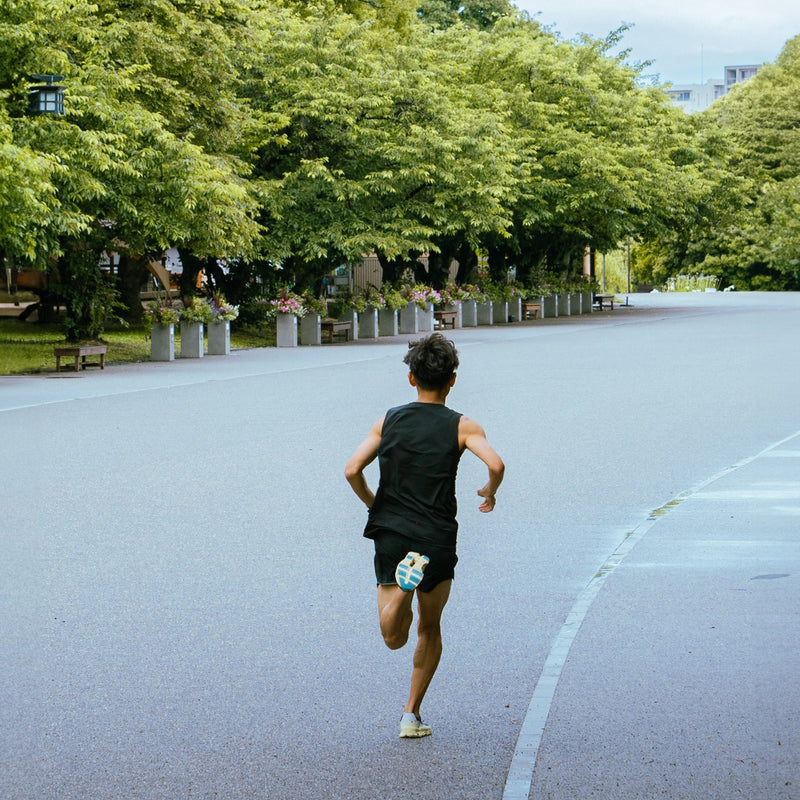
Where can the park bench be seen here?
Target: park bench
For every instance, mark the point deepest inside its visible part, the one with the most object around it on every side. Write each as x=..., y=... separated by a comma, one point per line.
x=604, y=300
x=531, y=308
x=442, y=318
x=79, y=353
x=331, y=328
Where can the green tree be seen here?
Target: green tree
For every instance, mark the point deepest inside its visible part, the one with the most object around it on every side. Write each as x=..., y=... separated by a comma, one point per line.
x=594, y=150
x=381, y=148
x=745, y=231
x=131, y=174
x=482, y=15
x=30, y=213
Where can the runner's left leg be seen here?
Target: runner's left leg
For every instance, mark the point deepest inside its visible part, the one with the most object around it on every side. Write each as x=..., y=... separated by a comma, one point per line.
x=430, y=606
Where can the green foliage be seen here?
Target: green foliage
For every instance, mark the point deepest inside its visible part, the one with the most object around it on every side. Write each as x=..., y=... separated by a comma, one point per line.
x=307, y=135
x=481, y=15
x=147, y=155
x=745, y=197
x=198, y=310
x=378, y=150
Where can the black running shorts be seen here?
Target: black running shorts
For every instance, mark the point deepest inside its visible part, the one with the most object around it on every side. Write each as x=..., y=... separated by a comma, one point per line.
x=391, y=548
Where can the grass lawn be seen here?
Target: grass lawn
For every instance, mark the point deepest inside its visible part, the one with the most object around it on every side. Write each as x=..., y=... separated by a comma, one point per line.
x=27, y=347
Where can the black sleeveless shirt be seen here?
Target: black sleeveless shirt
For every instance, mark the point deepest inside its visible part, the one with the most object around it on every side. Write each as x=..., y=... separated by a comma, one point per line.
x=418, y=456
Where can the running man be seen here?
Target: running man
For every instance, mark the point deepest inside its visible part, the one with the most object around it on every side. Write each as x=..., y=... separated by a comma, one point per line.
x=412, y=516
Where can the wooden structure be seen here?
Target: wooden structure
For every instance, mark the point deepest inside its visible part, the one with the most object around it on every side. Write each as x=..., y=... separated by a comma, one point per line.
x=79, y=353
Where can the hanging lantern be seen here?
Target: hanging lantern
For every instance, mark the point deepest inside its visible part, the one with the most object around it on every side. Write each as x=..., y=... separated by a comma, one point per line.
x=47, y=98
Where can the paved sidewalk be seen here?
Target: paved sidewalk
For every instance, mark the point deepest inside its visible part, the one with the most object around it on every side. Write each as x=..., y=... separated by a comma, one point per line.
x=682, y=680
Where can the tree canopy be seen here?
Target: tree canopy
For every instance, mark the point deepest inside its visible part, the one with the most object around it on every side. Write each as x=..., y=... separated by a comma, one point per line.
x=747, y=231
x=311, y=133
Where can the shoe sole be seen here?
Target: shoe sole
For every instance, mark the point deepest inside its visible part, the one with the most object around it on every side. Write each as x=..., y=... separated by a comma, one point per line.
x=415, y=733
x=408, y=576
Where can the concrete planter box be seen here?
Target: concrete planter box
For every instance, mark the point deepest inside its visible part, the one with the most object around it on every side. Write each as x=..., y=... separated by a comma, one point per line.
x=586, y=302
x=368, y=324
x=287, y=330
x=485, y=313
x=426, y=319
x=219, y=338
x=351, y=316
x=469, y=313
x=550, y=306
x=311, y=329
x=456, y=306
x=387, y=322
x=500, y=312
x=191, y=339
x=515, y=309
x=409, y=319
x=162, y=343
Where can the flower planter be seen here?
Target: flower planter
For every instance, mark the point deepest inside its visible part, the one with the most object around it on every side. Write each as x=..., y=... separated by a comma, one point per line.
x=426, y=318
x=586, y=302
x=409, y=319
x=162, y=342
x=311, y=329
x=368, y=324
x=575, y=303
x=191, y=339
x=456, y=306
x=387, y=322
x=469, y=313
x=219, y=338
x=500, y=312
x=351, y=316
x=485, y=313
x=286, y=330
x=550, y=306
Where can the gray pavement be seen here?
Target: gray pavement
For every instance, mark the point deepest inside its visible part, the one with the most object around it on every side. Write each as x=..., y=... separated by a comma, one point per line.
x=187, y=607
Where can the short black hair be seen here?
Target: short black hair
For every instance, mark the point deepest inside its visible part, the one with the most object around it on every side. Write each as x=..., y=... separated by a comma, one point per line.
x=432, y=361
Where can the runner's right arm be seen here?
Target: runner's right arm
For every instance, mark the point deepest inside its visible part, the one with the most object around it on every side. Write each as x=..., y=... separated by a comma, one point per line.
x=364, y=455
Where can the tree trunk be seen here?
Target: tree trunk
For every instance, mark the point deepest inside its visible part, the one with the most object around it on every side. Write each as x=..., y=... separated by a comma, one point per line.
x=132, y=273
x=392, y=269
x=467, y=263
x=191, y=269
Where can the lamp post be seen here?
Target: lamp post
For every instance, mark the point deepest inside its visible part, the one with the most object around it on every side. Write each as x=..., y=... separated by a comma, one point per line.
x=47, y=97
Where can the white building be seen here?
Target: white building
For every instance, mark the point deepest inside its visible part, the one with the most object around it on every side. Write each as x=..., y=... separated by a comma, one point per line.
x=739, y=74
x=694, y=97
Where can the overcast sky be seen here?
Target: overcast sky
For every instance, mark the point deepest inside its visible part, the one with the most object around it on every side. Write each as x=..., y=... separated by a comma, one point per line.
x=690, y=41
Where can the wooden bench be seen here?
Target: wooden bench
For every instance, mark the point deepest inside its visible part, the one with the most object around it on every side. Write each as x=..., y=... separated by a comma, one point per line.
x=79, y=353
x=531, y=308
x=331, y=328
x=604, y=301
x=442, y=318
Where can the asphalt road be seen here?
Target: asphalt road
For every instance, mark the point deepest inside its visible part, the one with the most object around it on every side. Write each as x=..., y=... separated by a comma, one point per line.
x=187, y=607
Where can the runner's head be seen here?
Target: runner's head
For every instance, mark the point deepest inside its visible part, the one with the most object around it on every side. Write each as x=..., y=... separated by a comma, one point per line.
x=432, y=361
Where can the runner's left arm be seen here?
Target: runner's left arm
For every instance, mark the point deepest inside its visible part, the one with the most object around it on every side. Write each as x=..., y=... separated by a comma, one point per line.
x=473, y=437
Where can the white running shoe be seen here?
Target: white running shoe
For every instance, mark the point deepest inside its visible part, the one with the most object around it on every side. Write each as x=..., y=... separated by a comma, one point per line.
x=412, y=727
